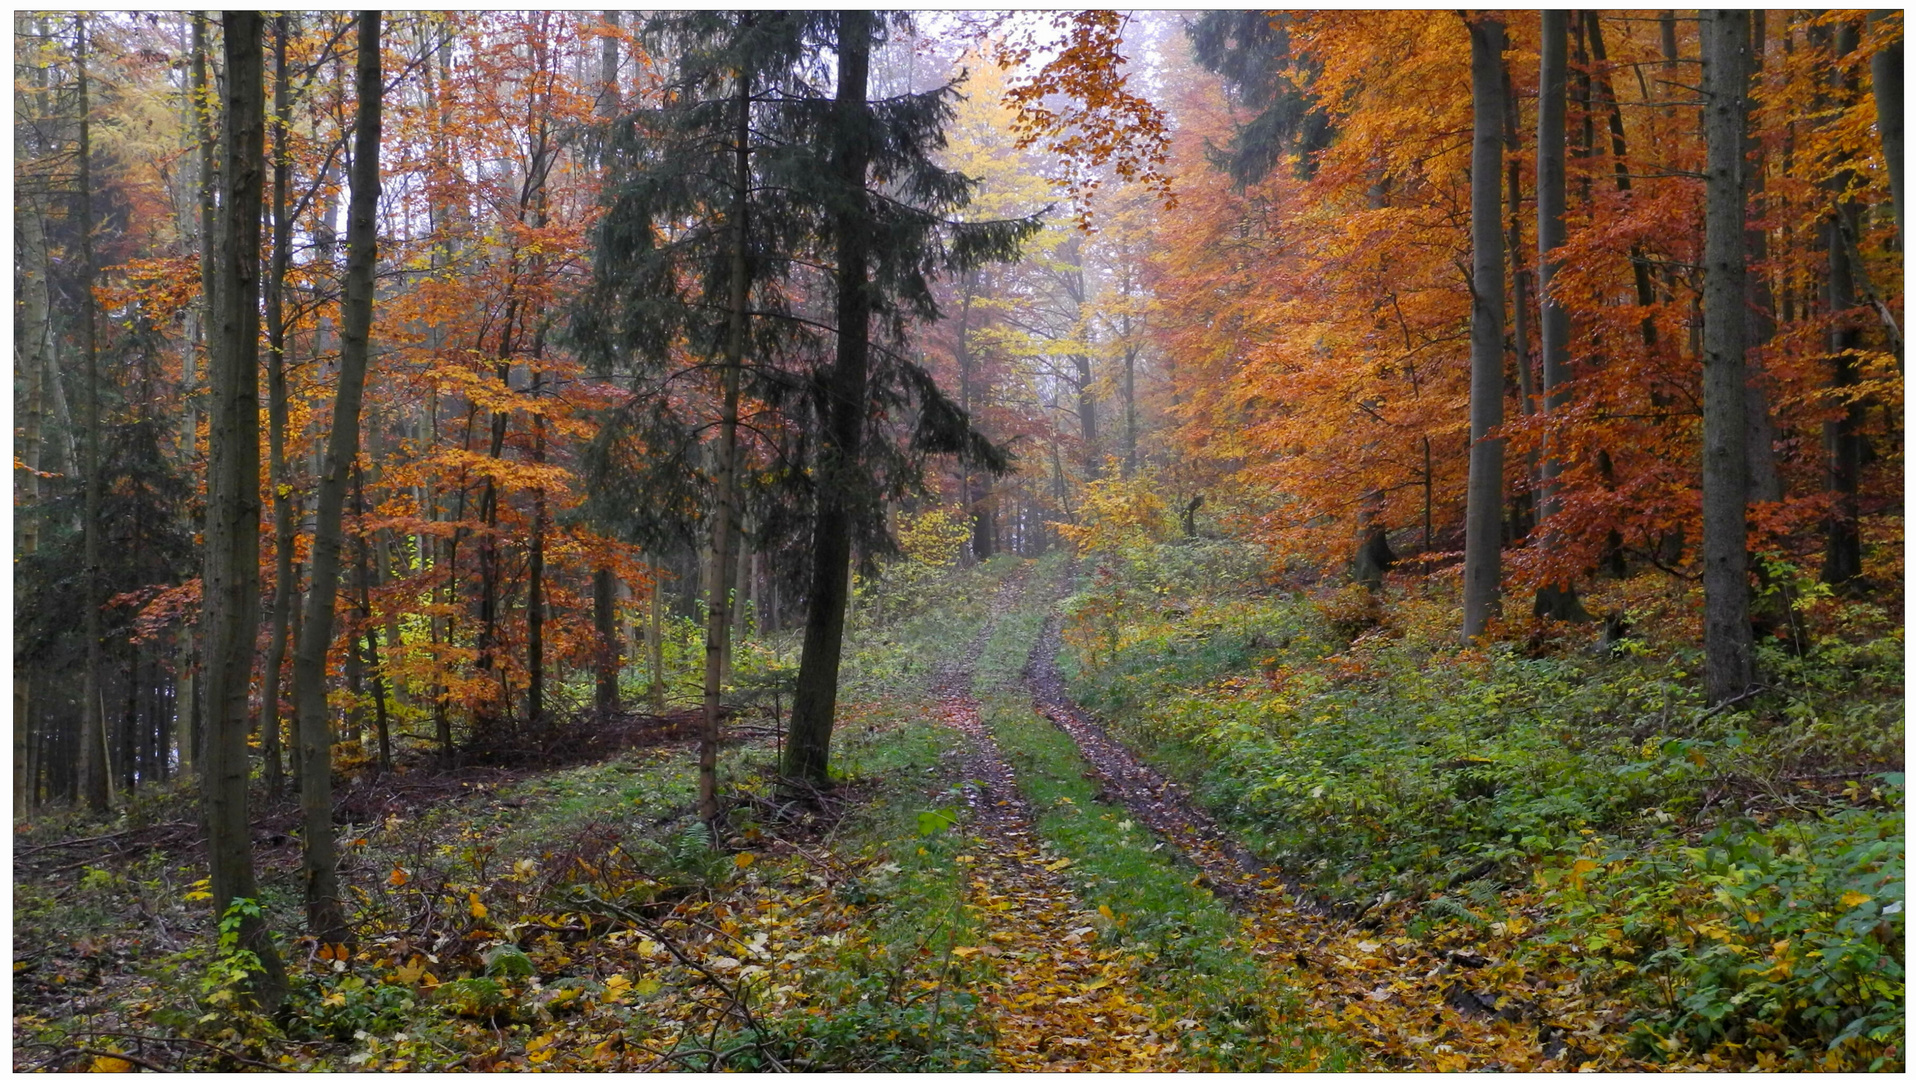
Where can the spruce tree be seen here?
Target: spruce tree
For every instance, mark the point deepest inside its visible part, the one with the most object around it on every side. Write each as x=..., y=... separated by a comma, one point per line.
x=741, y=194
x=890, y=231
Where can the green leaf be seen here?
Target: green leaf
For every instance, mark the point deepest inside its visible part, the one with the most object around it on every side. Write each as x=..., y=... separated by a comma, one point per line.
x=932, y=822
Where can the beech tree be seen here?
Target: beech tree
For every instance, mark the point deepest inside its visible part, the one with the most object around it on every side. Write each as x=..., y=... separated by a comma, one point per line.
x=323, y=914
x=1483, y=516
x=1557, y=600
x=230, y=614
x=1728, y=668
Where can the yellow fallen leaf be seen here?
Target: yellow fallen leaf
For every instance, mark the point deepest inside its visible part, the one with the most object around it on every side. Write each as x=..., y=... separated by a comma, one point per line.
x=965, y=951
x=398, y=876
x=1059, y=865
x=102, y=1063
x=478, y=909
x=744, y=859
x=1852, y=898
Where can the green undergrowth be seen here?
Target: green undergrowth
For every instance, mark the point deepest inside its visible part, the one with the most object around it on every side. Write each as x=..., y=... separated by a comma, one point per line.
x=1200, y=970
x=1738, y=871
x=468, y=912
x=892, y=1000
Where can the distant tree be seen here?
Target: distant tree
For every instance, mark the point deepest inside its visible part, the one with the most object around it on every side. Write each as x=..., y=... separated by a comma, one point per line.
x=1251, y=52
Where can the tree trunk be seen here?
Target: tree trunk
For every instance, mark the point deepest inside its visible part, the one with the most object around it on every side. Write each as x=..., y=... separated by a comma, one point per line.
x=605, y=622
x=1766, y=484
x=608, y=105
x=95, y=788
x=323, y=915
x=1558, y=599
x=230, y=608
x=1728, y=666
x=536, y=584
x=362, y=574
x=1886, y=75
x=202, y=94
x=815, y=697
x=1483, y=535
x=718, y=598
x=1088, y=418
x=32, y=331
x=281, y=479
x=1842, y=437
x=1523, y=500
x=655, y=643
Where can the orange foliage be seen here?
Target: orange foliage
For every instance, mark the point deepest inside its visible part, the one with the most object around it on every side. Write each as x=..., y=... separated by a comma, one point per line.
x=1320, y=326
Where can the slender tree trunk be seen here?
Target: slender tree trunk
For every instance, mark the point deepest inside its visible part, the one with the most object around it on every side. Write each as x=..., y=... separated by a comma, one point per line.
x=230, y=609
x=203, y=96
x=1620, y=168
x=1728, y=666
x=1483, y=554
x=604, y=584
x=1766, y=484
x=536, y=591
x=1886, y=75
x=1523, y=497
x=95, y=787
x=283, y=578
x=32, y=331
x=655, y=642
x=608, y=105
x=1088, y=418
x=1558, y=599
x=1842, y=437
x=323, y=915
x=362, y=572
x=815, y=699
x=718, y=599
x=605, y=623
x=190, y=727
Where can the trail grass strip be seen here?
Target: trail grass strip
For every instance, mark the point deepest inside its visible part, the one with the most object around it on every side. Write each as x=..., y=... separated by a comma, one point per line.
x=1054, y=998
x=1410, y=1004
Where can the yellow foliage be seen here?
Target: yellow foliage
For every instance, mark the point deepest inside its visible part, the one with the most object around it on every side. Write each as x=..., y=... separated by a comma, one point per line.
x=934, y=538
x=1119, y=514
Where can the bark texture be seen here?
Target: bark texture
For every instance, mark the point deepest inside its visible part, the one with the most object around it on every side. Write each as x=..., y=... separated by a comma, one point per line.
x=1727, y=669
x=1483, y=524
x=230, y=608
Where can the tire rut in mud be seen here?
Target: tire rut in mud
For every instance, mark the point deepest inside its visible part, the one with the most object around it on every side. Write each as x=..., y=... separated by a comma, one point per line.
x=1230, y=871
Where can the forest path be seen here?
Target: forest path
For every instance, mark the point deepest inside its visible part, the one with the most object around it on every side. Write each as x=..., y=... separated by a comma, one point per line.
x=1054, y=998
x=1411, y=1004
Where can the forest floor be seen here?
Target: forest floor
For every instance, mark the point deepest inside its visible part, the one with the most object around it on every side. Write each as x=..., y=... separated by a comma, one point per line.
x=999, y=881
